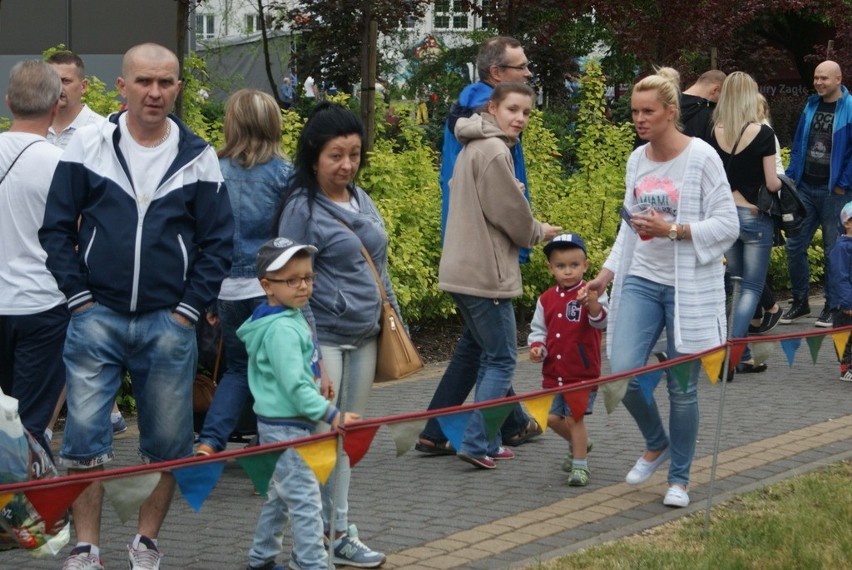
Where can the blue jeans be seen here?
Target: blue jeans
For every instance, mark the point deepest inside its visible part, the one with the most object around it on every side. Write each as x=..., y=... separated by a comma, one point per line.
x=492, y=326
x=645, y=309
x=823, y=210
x=351, y=395
x=456, y=384
x=233, y=389
x=31, y=368
x=160, y=354
x=294, y=494
x=749, y=258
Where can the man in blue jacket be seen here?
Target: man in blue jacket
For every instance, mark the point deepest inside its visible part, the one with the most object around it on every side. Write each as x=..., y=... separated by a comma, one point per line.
x=500, y=59
x=138, y=232
x=821, y=166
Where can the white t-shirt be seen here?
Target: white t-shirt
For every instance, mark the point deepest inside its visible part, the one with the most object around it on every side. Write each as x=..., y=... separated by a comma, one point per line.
x=26, y=286
x=658, y=184
x=147, y=165
x=309, y=87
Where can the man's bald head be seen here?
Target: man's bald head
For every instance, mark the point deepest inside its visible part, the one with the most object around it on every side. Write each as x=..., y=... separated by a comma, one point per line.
x=149, y=52
x=828, y=80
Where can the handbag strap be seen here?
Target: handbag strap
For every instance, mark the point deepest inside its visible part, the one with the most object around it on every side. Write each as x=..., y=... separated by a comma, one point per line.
x=8, y=170
x=369, y=261
x=219, y=349
x=736, y=144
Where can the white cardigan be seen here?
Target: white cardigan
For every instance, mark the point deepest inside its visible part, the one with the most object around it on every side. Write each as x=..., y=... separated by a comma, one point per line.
x=707, y=205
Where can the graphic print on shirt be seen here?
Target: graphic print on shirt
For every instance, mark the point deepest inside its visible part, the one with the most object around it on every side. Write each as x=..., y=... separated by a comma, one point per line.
x=659, y=193
x=817, y=163
x=573, y=310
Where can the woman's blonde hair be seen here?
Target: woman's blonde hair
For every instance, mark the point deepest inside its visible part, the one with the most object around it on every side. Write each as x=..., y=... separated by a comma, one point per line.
x=763, y=113
x=252, y=128
x=737, y=106
x=666, y=82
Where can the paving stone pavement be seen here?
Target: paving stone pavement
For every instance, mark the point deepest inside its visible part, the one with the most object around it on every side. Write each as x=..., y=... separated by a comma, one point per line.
x=438, y=512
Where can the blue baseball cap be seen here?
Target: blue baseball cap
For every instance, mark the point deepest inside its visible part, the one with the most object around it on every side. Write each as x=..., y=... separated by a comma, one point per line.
x=565, y=241
x=846, y=212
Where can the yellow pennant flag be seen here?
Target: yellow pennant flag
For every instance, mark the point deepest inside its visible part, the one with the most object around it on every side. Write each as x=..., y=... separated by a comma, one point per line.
x=713, y=364
x=539, y=407
x=840, y=340
x=5, y=498
x=321, y=457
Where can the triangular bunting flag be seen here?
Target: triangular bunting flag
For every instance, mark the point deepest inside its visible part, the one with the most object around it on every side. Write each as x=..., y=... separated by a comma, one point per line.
x=494, y=418
x=840, y=340
x=648, y=383
x=814, y=344
x=683, y=371
x=52, y=502
x=356, y=443
x=320, y=456
x=736, y=354
x=790, y=346
x=539, y=408
x=5, y=498
x=126, y=494
x=578, y=402
x=196, y=482
x=260, y=468
x=761, y=351
x=453, y=427
x=713, y=364
x=405, y=435
x=613, y=393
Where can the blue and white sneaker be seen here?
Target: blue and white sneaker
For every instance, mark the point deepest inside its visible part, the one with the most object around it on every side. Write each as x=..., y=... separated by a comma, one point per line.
x=350, y=551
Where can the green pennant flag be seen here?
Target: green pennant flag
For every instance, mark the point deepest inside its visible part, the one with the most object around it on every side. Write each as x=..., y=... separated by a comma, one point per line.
x=814, y=344
x=260, y=468
x=682, y=372
x=494, y=418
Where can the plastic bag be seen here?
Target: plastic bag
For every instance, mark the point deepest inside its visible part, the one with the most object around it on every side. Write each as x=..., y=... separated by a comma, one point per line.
x=23, y=459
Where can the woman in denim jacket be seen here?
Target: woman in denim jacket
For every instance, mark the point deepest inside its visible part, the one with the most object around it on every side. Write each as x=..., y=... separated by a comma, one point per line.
x=255, y=172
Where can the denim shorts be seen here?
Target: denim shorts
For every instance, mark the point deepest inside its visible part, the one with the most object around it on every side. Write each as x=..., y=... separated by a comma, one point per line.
x=161, y=356
x=560, y=408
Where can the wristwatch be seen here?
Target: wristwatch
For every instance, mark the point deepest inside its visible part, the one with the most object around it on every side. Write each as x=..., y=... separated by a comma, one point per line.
x=673, y=232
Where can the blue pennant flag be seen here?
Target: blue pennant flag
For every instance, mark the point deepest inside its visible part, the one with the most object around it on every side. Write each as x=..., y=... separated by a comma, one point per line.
x=790, y=346
x=453, y=427
x=196, y=482
x=648, y=383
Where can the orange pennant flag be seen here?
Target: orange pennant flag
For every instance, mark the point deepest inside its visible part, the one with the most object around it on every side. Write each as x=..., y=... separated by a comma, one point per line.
x=840, y=340
x=713, y=363
x=539, y=407
x=320, y=456
x=52, y=502
x=357, y=441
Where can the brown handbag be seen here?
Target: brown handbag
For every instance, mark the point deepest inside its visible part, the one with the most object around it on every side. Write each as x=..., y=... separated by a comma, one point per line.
x=203, y=387
x=396, y=357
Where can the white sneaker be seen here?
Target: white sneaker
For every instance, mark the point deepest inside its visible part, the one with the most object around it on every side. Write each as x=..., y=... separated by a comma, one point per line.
x=146, y=556
x=847, y=376
x=643, y=470
x=676, y=496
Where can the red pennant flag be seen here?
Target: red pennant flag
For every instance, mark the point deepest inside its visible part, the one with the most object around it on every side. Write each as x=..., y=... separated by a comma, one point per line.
x=356, y=443
x=52, y=502
x=736, y=355
x=578, y=402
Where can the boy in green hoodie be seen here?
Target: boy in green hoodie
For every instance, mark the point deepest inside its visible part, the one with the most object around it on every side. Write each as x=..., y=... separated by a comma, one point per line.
x=283, y=375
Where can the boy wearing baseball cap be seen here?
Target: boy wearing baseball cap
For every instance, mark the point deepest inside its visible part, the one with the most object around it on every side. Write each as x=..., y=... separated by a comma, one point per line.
x=840, y=281
x=283, y=371
x=566, y=337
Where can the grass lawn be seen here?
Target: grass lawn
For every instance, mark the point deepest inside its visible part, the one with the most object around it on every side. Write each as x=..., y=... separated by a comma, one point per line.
x=802, y=523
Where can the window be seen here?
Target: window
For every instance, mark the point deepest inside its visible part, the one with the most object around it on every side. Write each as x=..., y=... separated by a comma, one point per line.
x=448, y=15
x=252, y=23
x=205, y=26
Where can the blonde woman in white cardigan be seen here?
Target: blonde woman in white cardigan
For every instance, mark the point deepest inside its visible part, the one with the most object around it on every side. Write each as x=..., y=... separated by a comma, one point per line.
x=668, y=274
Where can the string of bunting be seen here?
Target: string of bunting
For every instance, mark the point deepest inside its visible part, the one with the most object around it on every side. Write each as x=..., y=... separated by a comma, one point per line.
x=127, y=488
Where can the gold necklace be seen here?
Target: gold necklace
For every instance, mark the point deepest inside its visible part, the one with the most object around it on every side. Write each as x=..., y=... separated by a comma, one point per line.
x=162, y=138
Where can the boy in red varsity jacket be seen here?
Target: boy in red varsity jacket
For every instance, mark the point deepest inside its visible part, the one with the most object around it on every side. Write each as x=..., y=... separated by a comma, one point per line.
x=566, y=336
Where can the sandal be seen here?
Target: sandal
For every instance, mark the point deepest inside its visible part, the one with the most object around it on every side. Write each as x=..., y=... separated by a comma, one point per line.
x=532, y=430
x=430, y=447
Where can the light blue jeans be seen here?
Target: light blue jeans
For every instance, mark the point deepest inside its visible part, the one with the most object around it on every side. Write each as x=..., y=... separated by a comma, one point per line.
x=749, y=258
x=352, y=397
x=161, y=356
x=492, y=324
x=823, y=209
x=294, y=494
x=645, y=309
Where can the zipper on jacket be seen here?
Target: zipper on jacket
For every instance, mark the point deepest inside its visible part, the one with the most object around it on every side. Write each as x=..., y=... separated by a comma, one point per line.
x=89, y=248
x=184, y=255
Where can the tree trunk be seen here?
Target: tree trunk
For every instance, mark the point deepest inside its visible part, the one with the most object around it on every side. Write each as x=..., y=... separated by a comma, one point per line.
x=266, y=61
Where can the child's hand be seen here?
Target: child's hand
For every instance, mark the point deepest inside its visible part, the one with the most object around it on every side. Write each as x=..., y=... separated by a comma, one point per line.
x=587, y=295
x=536, y=353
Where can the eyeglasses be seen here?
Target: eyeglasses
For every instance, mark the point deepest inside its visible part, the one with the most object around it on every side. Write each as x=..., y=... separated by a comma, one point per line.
x=522, y=67
x=296, y=282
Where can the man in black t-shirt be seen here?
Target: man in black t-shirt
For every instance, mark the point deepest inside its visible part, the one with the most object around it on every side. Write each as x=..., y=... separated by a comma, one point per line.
x=821, y=166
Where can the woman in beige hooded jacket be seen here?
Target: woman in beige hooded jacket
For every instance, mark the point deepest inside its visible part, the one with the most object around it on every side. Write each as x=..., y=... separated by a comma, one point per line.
x=489, y=221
